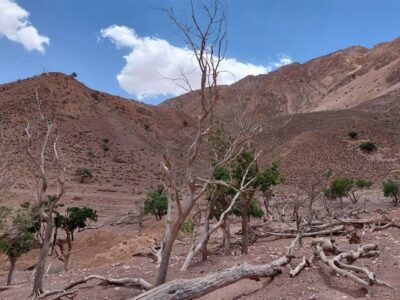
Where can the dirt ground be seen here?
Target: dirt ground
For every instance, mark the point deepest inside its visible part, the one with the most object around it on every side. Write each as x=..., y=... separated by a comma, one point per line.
x=108, y=251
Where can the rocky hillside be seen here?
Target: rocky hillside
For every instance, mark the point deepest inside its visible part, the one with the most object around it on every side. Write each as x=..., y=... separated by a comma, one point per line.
x=120, y=141
x=340, y=80
x=306, y=110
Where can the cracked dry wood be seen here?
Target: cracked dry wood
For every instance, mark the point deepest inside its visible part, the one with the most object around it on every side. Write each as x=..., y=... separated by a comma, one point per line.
x=368, y=250
x=125, y=281
x=197, y=287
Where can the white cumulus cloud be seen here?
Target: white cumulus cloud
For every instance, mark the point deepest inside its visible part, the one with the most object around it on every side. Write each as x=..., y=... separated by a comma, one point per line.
x=153, y=62
x=283, y=60
x=15, y=25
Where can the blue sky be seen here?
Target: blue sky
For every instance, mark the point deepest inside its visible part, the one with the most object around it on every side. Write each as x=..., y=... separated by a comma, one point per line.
x=79, y=36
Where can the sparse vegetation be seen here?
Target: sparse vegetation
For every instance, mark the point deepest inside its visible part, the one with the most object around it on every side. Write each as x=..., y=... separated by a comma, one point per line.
x=346, y=187
x=363, y=183
x=368, y=147
x=16, y=235
x=84, y=174
x=188, y=227
x=156, y=204
x=391, y=189
x=353, y=135
x=73, y=219
x=213, y=182
x=105, y=144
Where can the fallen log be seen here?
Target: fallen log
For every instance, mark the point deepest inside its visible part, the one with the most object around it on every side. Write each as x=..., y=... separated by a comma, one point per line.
x=344, y=269
x=14, y=286
x=376, y=227
x=197, y=287
x=125, y=281
x=334, y=230
x=304, y=264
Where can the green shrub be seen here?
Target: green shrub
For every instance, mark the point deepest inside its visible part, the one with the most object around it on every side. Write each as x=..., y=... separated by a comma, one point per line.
x=188, y=227
x=363, y=183
x=105, y=144
x=339, y=188
x=368, y=147
x=74, y=218
x=269, y=177
x=353, y=135
x=16, y=234
x=156, y=204
x=391, y=189
x=83, y=173
x=255, y=209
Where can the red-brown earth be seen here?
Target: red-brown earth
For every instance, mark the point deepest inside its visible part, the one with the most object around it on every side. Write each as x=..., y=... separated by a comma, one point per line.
x=306, y=111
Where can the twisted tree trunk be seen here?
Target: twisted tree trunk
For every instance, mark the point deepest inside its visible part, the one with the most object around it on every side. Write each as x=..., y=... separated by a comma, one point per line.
x=11, y=271
x=44, y=252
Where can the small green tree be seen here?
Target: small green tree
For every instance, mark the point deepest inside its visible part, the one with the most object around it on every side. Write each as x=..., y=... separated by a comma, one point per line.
x=368, y=147
x=83, y=173
x=266, y=179
x=339, y=188
x=73, y=219
x=353, y=135
x=156, y=204
x=16, y=236
x=391, y=189
x=346, y=187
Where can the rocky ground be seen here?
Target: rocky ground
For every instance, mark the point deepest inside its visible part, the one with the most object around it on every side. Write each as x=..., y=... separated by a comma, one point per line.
x=109, y=251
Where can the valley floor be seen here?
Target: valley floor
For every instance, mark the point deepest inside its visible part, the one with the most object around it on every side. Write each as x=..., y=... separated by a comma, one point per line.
x=108, y=251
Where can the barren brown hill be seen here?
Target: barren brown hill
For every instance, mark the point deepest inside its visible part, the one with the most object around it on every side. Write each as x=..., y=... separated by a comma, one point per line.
x=319, y=102
x=120, y=141
x=340, y=80
x=306, y=109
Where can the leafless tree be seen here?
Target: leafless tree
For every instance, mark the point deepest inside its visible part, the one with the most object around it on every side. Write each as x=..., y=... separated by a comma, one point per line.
x=245, y=183
x=42, y=136
x=206, y=37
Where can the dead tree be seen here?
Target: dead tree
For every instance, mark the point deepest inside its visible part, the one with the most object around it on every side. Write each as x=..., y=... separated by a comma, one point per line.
x=45, y=130
x=125, y=281
x=244, y=185
x=207, y=40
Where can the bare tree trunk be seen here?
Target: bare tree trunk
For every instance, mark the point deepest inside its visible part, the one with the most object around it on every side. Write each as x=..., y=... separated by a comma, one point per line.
x=11, y=271
x=198, y=247
x=227, y=236
x=204, y=252
x=166, y=247
x=245, y=225
x=68, y=254
x=197, y=287
x=44, y=252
